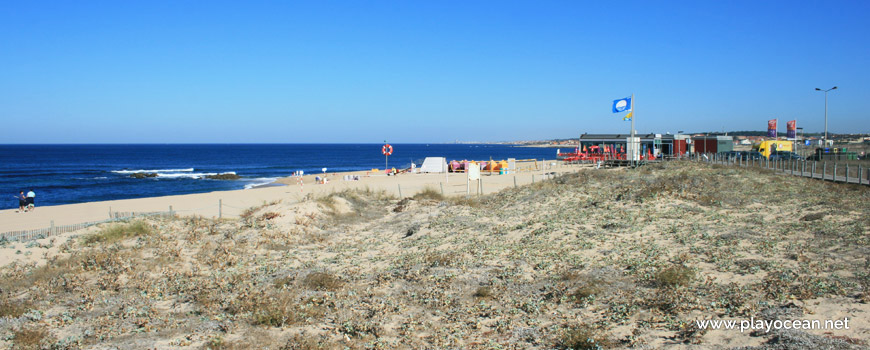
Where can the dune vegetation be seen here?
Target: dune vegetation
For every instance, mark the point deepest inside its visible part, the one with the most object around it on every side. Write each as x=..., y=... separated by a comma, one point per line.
x=597, y=259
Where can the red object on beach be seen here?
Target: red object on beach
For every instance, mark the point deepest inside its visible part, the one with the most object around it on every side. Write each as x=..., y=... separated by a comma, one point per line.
x=387, y=149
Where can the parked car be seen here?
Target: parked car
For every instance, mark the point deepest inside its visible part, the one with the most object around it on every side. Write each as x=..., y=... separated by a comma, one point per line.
x=752, y=155
x=733, y=155
x=785, y=155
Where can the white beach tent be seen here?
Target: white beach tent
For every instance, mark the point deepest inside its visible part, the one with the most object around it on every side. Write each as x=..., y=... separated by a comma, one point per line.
x=434, y=165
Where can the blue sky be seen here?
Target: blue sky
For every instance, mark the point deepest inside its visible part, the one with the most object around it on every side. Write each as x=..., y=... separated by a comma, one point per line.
x=422, y=71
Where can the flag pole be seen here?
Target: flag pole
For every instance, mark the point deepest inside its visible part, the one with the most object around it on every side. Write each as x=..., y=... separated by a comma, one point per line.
x=633, y=115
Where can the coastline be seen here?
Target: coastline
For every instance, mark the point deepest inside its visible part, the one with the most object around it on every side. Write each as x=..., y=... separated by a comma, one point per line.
x=234, y=202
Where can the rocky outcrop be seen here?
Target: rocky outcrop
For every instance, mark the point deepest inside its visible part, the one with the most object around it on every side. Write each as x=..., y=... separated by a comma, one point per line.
x=227, y=176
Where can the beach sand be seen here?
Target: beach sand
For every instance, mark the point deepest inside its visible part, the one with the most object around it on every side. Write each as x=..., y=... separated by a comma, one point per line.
x=235, y=202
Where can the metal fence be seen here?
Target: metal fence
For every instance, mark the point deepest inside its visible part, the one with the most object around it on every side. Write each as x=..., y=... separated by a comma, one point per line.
x=825, y=171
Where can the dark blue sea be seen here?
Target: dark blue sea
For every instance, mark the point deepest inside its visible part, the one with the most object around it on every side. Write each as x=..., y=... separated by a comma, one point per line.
x=63, y=174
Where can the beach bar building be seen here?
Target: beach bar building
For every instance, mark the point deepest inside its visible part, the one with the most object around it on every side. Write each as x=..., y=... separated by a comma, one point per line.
x=660, y=145
x=713, y=144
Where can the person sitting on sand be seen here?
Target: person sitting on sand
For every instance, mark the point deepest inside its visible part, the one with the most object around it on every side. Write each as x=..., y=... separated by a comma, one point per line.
x=22, y=202
x=31, y=198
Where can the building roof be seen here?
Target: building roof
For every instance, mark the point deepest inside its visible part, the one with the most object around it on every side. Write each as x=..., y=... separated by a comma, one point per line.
x=622, y=137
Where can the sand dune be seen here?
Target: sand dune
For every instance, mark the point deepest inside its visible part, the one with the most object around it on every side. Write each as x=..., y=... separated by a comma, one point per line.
x=234, y=202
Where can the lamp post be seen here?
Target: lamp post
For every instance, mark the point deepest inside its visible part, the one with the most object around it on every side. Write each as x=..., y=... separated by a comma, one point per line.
x=825, y=144
x=800, y=146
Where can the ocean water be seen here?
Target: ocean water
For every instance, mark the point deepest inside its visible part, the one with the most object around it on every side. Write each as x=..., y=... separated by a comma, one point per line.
x=63, y=174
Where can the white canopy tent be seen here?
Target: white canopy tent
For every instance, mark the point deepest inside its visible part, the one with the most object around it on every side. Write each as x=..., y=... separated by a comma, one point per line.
x=434, y=165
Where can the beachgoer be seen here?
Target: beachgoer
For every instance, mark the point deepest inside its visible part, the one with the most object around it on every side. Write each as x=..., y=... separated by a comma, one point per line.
x=22, y=202
x=31, y=199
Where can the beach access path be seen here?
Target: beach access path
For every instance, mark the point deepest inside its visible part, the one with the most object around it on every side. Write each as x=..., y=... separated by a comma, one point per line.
x=235, y=202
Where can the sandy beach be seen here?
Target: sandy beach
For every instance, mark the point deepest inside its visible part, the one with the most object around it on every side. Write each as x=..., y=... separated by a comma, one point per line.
x=287, y=190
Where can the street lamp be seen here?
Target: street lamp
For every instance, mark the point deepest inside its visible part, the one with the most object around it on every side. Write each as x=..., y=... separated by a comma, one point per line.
x=826, y=114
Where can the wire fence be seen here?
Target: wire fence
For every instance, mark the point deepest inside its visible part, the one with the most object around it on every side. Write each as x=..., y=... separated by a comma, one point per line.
x=29, y=235
x=836, y=172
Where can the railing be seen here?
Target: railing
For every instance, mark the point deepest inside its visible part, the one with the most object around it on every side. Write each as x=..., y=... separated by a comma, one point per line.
x=835, y=172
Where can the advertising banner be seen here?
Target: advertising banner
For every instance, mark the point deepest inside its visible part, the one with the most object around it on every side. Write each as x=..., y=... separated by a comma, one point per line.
x=771, y=128
x=791, y=129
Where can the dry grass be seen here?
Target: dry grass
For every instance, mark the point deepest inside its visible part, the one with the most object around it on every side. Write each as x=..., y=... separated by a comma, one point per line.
x=118, y=232
x=12, y=309
x=324, y=281
x=31, y=338
x=429, y=193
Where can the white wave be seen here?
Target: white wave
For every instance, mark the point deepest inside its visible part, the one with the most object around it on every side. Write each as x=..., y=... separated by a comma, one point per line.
x=260, y=181
x=190, y=175
x=153, y=171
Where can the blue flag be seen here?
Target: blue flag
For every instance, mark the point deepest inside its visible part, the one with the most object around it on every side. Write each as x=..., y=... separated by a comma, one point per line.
x=622, y=105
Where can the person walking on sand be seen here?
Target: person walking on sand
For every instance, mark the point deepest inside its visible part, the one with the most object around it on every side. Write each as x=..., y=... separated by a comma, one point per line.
x=31, y=199
x=22, y=202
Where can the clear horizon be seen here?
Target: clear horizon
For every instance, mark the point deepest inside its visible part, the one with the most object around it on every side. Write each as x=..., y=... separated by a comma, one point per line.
x=417, y=72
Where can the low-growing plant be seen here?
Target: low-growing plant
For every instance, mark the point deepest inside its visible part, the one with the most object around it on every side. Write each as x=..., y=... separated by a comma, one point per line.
x=31, y=338
x=674, y=276
x=269, y=216
x=584, y=293
x=282, y=282
x=12, y=309
x=483, y=292
x=585, y=337
x=276, y=311
x=690, y=333
x=324, y=281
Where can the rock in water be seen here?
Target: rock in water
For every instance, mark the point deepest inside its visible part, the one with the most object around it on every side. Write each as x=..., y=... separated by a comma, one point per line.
x=227, y=176
x=143, y=175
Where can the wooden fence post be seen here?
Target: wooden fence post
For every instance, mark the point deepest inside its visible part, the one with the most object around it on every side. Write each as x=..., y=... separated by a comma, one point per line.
x=835, y=172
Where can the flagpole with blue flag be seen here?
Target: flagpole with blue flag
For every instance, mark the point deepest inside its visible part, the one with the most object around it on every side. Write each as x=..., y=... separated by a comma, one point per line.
x=622, y=105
